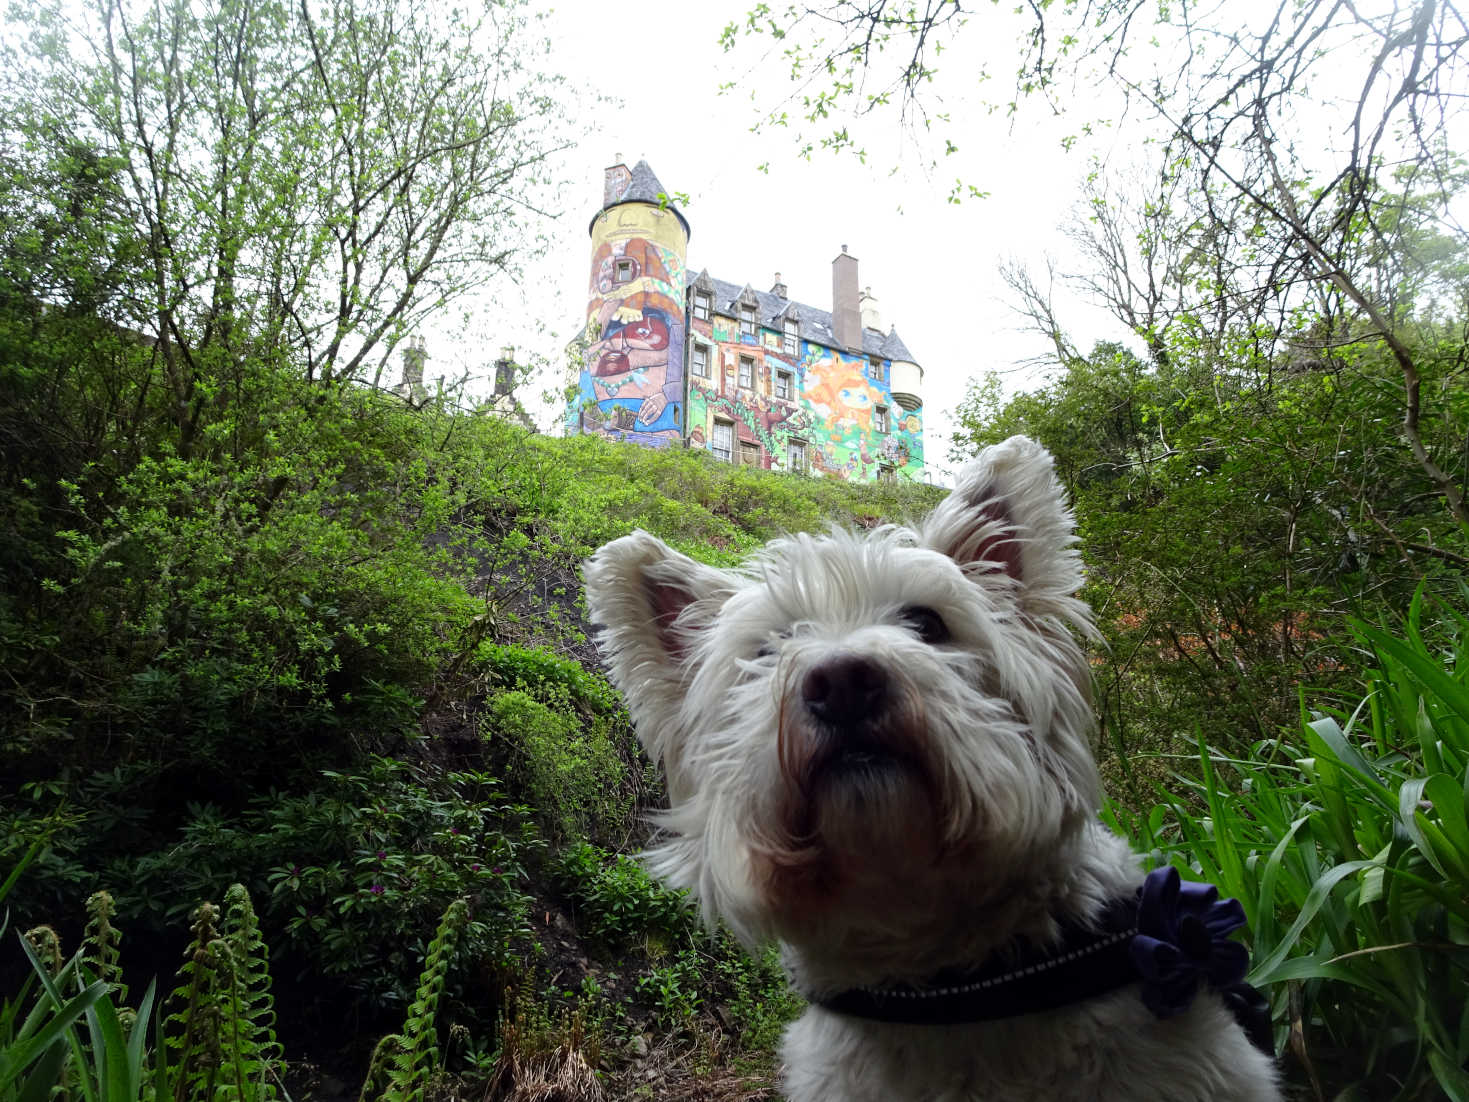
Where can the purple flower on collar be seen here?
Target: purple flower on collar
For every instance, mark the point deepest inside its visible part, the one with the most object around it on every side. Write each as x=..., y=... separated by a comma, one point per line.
x=1183, y=937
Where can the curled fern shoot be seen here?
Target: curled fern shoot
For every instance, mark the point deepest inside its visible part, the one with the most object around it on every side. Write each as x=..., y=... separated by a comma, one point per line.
x=194, y=1030
x=101, y=944
x=47, y=944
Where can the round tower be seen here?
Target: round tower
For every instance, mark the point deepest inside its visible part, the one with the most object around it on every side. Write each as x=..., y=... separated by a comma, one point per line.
x=631, y=384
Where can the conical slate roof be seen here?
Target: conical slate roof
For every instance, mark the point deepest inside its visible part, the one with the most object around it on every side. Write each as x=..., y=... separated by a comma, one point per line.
x=893, y=347
x=643, y=187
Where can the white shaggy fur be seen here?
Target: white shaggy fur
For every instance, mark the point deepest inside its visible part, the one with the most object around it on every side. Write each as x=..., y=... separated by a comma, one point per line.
x=877, y=751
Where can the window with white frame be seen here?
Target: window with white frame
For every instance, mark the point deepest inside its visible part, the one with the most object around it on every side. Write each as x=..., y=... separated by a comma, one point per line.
x=701, y=305
x=747, y=320
x=792, y=336
x=747, y=373
x=796, y=456
x=880, y=418
x=721, y=442
x=784, y=385
x=699, y=361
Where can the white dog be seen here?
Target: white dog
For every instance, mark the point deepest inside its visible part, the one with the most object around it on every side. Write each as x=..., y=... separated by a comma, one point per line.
x=877, y=752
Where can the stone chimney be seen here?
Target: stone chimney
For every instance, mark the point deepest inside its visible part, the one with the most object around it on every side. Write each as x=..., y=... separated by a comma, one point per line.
x=615, y=183
x=415, y=356
x=505, y=372
x=779, y=289
x=871, y=318
x=846, y=316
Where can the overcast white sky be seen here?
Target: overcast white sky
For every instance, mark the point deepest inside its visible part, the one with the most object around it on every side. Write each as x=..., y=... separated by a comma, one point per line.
x=931, y=265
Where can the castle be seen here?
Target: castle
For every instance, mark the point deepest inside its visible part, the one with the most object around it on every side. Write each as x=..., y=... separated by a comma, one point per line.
x=670, y=357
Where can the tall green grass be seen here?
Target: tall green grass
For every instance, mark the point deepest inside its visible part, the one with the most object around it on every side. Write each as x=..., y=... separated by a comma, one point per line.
x=1347, y=842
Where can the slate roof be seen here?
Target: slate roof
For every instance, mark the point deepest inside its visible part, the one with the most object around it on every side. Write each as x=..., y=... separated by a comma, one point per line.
x=644, y=187
x=815, y=323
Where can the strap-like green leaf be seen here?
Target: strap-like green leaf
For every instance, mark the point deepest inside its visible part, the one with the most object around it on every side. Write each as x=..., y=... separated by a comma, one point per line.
x=1264, y=972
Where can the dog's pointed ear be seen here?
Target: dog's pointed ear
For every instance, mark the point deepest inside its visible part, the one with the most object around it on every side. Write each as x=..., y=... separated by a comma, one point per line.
x=1007, y=522
x=652, y=604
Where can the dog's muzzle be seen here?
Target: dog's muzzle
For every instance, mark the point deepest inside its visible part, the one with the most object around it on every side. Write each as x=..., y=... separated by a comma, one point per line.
x=856, y=719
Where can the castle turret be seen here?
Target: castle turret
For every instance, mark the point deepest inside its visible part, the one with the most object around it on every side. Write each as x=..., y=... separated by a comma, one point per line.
x=631, y=382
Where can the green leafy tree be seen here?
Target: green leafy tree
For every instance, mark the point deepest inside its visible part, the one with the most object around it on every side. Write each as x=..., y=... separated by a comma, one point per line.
x=304, y=180
x=1343, y=211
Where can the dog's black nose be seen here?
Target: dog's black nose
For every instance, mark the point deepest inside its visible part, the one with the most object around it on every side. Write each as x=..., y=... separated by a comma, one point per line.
x=844, y=691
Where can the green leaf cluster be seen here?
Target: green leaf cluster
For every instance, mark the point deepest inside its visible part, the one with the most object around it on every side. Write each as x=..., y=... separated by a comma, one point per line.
x=1347, y=842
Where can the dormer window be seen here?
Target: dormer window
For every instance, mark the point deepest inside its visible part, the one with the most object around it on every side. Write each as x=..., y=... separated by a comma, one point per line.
x=701, y=305
x=747, y=319
x=792, y=336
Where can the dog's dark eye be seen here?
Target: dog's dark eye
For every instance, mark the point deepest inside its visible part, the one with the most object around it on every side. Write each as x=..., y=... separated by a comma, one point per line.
x=772, y=644
x=927, y=624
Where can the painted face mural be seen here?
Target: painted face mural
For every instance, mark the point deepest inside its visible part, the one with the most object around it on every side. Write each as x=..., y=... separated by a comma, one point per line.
x=632, y=381
x=650, y=333
x=630, y=368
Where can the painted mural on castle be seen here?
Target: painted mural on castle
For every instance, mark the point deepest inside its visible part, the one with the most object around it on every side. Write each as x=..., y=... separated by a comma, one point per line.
x=670, y=357
x=823, y=418
x=631, y=383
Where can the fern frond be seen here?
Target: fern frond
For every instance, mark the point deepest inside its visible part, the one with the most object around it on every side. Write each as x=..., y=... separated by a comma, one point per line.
x=252, y=1053
x=375, y=1085
x=410, y=1067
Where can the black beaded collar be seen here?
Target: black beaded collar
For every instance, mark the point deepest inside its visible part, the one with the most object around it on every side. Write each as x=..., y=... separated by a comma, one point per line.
x=1169, y=936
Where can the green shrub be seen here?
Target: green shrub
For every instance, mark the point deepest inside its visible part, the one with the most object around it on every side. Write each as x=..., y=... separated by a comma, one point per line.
x=354, y=874
x=564, y=741
x=1348, y=845
x=615, y=899
x=760, y=998
x=549, y=677
x=362, y=873
x=566, y=768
